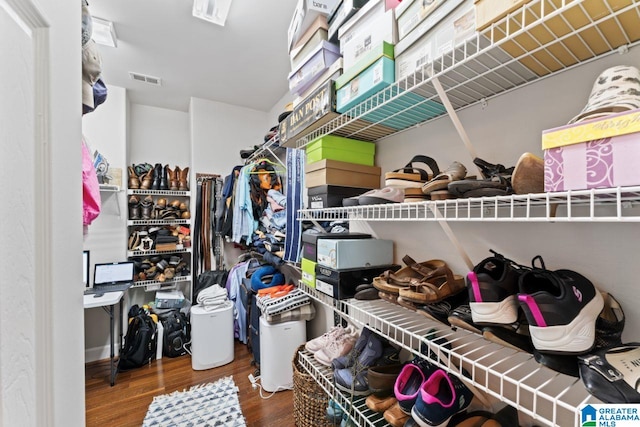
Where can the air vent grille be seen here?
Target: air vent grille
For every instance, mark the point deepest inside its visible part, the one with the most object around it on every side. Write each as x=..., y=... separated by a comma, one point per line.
x=156, y=81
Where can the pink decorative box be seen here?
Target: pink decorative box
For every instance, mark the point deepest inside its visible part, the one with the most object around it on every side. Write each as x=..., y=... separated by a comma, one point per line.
x=600, y=153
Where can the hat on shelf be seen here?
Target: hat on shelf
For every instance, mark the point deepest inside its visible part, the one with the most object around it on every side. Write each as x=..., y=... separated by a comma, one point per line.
x=287, y=110
x=91, y=70
x=616, y=90
x=99, y=96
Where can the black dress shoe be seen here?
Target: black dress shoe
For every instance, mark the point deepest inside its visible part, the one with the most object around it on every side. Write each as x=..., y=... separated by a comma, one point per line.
x=157, y=175
x=609, y=374
x=164, y=178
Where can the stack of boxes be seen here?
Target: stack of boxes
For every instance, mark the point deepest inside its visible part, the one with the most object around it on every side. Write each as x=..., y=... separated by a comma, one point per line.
x=315, y=62
x=337, y=168
x=335, y=264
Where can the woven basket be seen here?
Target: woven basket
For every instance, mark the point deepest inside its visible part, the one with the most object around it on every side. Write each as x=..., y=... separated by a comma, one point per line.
x=309, y=399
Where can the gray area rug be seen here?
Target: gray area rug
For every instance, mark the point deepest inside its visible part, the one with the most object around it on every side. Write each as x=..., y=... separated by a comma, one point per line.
x=213, y=404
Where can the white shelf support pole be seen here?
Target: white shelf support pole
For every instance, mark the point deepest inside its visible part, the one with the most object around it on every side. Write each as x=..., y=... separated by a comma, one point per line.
x=451, y=235
x=454, y=118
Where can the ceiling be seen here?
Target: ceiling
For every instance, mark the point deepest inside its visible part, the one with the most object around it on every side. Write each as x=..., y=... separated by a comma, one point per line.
x=244, y=63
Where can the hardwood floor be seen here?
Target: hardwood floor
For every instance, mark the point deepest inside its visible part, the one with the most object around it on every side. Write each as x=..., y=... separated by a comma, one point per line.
x=125, y=404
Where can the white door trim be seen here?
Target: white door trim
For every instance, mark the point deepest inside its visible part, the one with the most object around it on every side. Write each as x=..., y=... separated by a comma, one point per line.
x=29, y=17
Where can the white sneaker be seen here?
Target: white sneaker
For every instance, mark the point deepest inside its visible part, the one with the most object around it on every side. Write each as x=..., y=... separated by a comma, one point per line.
x=339, y=347
x=324, y=339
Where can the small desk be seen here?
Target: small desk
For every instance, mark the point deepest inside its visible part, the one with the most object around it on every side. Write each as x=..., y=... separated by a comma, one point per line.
x=107, y=302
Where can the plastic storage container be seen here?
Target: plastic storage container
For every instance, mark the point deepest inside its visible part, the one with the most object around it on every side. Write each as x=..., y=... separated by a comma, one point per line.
x=211, y=337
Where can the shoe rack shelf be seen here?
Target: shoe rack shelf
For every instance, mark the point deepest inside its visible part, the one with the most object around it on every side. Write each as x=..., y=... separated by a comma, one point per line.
x=619, y=204
x=154, y=252
x=154, y=285
x=175, y=193
x=158, y=222
x=512, y=376
x=539, y=39
x=357, y=409
x=108, y=188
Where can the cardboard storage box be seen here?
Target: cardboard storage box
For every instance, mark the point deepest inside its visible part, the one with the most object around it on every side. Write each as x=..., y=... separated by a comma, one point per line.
x=310, y=242
x=411, y=12
x=345, y=11
x=575, y=17
x=169, y=299
x=330, y=196
x=415, y=109
x=305, y=13
x=342, y=149
x=340, y=254
x=313, y=112
x=367, y=34
x=490, y=11
x=332, y=73
x=341, y=284
x=333, y=172
x=308, y=272
x=300, y=54
x=372, y=80
x=600, y=153
x=312, y=66
x=437, y=35
x=360, y=20
x=375, y=53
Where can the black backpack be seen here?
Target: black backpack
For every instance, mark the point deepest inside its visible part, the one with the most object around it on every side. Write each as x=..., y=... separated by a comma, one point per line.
x=140, y=341
x=177, y=333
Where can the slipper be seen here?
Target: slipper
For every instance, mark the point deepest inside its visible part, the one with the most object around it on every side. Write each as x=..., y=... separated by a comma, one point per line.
x=392, y=298
x=441, y=195
x=383, y=195
x=355, y=200
x=507, y=337
x=407, y=304
x=392, y=282
x=455, y=172
x=380, y=404
x=410, y=176
x=440, y=311
x=470, y=419
x=442, y=284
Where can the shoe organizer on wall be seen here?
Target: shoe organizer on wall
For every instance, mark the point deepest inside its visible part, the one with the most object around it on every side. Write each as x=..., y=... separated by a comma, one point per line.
x=159, y=226
x=491, y=62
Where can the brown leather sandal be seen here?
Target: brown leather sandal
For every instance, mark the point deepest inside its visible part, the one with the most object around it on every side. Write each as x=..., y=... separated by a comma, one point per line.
x=392, y=282
x=441, y=285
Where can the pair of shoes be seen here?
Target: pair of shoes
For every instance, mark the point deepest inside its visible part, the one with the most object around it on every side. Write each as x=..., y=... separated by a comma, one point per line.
x=561, y=307
x=455, y=172
x=411, y=176
x=439, y=398
x=376, y=352
x=496, y=181
x=376, y=197
x=391, y=282
x=440, y=284
x=323, y=340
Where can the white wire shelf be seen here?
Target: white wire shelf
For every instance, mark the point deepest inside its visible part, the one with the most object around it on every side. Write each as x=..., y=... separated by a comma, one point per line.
x=153, y=285
x=509, y=375
x=109, y=188
x=159, y=192
x=154, y=252
x=539, y=39
x=596, y=205
x=266, y=149
x=158, y=221
x=355, y=407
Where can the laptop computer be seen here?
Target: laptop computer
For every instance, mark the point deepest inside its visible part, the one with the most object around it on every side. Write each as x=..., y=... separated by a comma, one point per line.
x=111, y=277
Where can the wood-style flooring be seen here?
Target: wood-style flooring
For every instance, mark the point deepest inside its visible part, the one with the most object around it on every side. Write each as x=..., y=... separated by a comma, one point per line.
x=125, y=404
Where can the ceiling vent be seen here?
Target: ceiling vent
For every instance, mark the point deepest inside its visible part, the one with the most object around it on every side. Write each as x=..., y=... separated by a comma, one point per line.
x=156, y=81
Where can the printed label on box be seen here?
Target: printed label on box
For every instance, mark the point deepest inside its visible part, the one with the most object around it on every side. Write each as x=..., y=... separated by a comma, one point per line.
x=326, y=260
x=308, y=277
x=316, y=205
x=377, y=73
x=324, y=287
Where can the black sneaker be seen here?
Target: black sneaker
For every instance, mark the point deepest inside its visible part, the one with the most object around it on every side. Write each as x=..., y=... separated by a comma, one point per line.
x=492, y=286
x=561, y=307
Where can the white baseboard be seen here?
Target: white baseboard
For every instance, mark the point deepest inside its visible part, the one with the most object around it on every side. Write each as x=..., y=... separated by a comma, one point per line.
x=98, y=353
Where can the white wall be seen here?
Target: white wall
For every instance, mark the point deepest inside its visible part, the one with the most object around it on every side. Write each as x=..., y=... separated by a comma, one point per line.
x=218, y=132
x=105, y=129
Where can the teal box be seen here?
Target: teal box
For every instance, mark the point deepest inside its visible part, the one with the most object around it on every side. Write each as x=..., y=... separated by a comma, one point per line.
x=406, y=110
x=372, y=80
